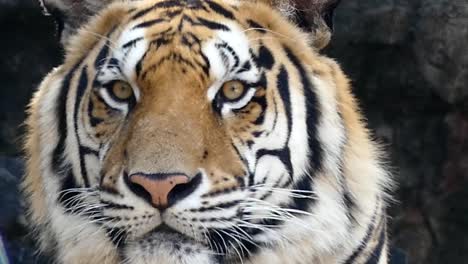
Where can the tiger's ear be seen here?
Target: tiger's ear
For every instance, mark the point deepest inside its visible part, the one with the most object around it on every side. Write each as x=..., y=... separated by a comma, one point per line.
x=71, y=14
x=314, y=16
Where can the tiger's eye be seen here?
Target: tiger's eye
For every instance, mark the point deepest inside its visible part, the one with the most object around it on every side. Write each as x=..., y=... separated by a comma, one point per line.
x=233, y=90
x=122, y=90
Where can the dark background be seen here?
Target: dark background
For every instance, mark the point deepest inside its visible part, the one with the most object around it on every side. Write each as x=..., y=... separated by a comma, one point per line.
x=408, y=62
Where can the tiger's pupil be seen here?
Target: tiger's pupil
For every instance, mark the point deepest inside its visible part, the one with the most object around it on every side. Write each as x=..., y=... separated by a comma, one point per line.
x=233, y=90
x=122, y=90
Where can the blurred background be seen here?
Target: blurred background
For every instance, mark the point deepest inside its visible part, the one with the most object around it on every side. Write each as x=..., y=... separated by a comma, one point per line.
x=408, y=61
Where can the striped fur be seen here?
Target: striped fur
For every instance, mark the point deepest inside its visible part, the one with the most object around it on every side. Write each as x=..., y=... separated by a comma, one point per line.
x=286, y=174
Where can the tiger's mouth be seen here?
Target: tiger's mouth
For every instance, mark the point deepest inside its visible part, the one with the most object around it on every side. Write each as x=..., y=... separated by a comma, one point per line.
x=169, y=235
x=165, y=245
x=165, y=231
x=164, y=228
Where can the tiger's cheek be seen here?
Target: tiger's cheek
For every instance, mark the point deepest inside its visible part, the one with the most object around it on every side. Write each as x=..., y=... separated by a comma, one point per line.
x=104, y=132
x=113, y=165
x=223, y=181
x=101, y=121
x=223, y=166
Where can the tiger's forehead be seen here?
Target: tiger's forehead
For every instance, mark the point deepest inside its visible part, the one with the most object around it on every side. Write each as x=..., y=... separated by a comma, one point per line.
x=203, y=36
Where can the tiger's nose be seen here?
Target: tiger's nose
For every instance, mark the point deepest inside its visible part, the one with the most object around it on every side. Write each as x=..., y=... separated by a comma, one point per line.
x=163, y=190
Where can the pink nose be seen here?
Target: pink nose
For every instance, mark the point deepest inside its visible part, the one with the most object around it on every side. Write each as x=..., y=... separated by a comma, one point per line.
x=159, y=187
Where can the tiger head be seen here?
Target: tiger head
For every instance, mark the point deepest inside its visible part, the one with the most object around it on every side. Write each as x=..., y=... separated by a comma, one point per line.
x=194, y=132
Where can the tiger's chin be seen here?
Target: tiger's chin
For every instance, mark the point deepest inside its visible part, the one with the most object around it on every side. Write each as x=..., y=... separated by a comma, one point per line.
x=166, y=246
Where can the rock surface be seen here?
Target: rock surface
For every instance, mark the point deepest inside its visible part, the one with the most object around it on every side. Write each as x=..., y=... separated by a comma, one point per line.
x=408, y=65
x=28, y=51
x=19, y=246
x=409, y=70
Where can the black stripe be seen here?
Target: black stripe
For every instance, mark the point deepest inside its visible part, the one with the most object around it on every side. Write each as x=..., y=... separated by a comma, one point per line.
x=226, y=47
x=262, y=102
x=132, y=42
x=110, y=191
x=283, y=89
x=300, y=202
x=243, y=160
x=220, y=10
x=220, y=192
x=169, y=14
x=367, y=237
x=149, y=23
x=303, y=203
x=259, y=28
x=195, y=5
x=247, y=66
x=377, y=253
x=224, y=243
x=187, y=19
x=350, y=204
x=313, y=114
x=113, y=62
x=67, y=196
x=160, y=41
x=185, y=41
x=94, y=121
x=102, y=55
x=191, y=40
x=275, y=119
x=349, y=200
x=284, y=155
x=115, y=206
x=277, y=184
x=164, y=4
x=82, y=86
x=212, y=25
x=265, y=58
x=206, y=67
x=89, y=151
x=139, y=64
x=216, y=207
x=117, y=235
x=61, y=113
x=213, y=219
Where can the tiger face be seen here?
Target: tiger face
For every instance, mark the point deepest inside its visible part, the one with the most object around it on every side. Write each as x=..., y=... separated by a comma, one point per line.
x=189, y=115
x=200, y=131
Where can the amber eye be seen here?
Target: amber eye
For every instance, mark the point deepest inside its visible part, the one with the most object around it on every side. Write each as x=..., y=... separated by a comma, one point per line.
x=121, y=90
x=233, y=90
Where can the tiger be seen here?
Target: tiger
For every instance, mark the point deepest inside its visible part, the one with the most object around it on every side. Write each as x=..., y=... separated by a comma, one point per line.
x=201, y=131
